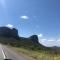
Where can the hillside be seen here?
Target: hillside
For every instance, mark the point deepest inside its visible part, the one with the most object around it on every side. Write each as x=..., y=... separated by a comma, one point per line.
x=29, y=46
x=11, y=37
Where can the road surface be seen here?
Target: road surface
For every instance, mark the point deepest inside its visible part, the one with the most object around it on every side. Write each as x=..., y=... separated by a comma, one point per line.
x=5, y=52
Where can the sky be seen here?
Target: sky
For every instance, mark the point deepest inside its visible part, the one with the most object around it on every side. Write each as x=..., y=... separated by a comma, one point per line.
x=30, y=17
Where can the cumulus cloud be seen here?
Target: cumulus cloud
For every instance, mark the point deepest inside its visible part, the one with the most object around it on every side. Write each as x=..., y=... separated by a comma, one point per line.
x=24, y=17
x=9, y=25
x=40, y=35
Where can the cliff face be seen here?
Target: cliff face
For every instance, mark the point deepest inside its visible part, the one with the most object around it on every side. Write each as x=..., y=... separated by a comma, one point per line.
x=34, y=38
x=7, y=32
x=11, y=37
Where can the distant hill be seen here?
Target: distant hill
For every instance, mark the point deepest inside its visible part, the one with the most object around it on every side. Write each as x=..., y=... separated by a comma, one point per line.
x=13, y=33
x=11, y=37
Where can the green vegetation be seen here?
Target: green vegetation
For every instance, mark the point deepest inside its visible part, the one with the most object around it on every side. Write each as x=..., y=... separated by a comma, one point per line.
x=28, y=46
x=36, y=51
x=39, y=54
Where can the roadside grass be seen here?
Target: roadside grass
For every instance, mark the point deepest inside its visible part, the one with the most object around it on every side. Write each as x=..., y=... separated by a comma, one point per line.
x=39, y=55
x=35, y=51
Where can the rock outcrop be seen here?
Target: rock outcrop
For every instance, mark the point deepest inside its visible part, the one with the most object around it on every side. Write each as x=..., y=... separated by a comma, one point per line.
x=7, y=32
x=34, y=39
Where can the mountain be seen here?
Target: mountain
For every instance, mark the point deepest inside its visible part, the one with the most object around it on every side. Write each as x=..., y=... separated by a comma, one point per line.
x=13, y=33
x=11, y=37
x=7, y=32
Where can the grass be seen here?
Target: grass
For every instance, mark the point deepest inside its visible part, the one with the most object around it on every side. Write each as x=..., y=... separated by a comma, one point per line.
x=39, y=55
x=34, y=51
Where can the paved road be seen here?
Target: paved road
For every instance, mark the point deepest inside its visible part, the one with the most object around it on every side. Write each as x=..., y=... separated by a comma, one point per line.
x=1, y=54
x=5, y=52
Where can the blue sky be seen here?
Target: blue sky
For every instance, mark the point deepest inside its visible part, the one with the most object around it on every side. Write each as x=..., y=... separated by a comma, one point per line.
x=41, y=17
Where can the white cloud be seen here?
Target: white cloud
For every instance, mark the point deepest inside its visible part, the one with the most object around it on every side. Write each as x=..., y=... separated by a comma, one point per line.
x=44, y=39
x=40, y=35
x=9, y=25
x=58, y=40
x=51, y=40
x=48, y=42
x=24, y=17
